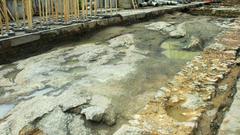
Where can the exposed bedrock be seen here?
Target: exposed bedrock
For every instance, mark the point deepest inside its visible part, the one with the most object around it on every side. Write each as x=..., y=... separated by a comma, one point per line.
x=44, y=98
x=231, y=122
x=195, y=101
x=76, y=90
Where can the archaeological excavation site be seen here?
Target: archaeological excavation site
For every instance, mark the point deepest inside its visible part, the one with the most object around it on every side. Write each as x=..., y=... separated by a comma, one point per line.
x=119, y=67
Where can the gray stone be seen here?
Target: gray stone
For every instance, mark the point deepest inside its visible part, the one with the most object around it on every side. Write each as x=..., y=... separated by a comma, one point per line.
x=216, y=47
x=195, y=44
x=238, y=60
x=174, y=99
x=165, y=131
x=193, y=101
x=162, y=93
x=223, y=88
x=179, y=32
x=55, y=123
x=59, y=123
x=160, y=26
x=100, y=109
x=77, y=126
x=110, y=117
x=122, y=41
x=129, y=130
x=94, y=113
x=231, y=122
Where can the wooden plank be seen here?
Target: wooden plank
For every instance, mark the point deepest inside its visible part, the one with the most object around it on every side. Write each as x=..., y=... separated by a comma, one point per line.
x=95, y=7
x=105, y=5
x=90, y=7
x=86, y=3
x=24, y=13
x=110, y=6
x=1, y=25
x=57, y=10
x=16, y=12
x=83, y=8
x=6, y=15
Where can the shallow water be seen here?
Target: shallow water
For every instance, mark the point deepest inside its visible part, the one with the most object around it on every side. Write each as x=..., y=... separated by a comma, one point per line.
x=4, y=109
x=130, y=93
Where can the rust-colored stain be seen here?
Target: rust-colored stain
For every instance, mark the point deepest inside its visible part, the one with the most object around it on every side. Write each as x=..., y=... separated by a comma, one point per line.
x=31, y=131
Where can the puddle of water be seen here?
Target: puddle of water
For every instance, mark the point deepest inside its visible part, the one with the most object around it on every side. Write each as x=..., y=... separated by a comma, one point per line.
x=37, y=93
x=4, y=109
x=176, y=54
x=77, y=70
x=179, y=113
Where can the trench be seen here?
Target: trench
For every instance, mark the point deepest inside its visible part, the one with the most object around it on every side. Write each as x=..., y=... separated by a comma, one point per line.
x=128, y=85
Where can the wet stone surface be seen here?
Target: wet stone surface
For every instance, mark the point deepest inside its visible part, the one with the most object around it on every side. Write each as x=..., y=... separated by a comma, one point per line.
x=231, y=122
x=96, y=85
x=179, y=108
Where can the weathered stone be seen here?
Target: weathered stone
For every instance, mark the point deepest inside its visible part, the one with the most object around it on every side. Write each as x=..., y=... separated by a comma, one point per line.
x=193, y=101
x=231, y=122
x=77, y=127
x=100, y=109
x=165, y=131
x=215, y=47
x=160, y=26
x=56, y=122
x=162, y=93
x=31, y=130
x=122, y=41
x=223, y=88
x=195, y=44
x=110, y=117
x=128, y=130
x=93, y=113
x=174, y=99
x=179, y=32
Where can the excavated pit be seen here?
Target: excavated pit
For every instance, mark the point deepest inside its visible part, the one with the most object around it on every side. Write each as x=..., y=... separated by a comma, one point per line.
x=97, y=84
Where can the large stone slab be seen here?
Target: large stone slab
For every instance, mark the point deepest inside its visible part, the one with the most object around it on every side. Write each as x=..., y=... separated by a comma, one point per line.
x=231, y=122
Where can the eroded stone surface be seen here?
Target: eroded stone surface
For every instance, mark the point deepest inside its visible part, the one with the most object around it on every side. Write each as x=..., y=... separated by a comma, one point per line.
x=179, y=32
x=66, y=102
x=178, y=109
x=231, y=122
x=195, y=44
x=87, y=69
x=169, y=28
